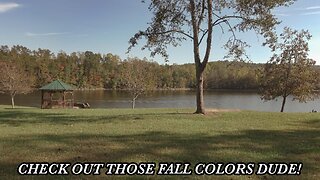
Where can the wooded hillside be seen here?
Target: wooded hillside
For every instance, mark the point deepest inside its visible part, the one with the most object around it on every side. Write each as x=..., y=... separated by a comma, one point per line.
x=95, y=70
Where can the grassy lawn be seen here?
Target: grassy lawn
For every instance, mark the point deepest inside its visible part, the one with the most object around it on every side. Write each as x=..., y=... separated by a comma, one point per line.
x=158, y=135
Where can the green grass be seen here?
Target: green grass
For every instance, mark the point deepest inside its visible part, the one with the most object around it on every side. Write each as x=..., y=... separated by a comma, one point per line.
x=159, y=135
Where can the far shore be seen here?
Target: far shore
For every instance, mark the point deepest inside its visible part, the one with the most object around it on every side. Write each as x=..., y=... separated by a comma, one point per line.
x=165, y=89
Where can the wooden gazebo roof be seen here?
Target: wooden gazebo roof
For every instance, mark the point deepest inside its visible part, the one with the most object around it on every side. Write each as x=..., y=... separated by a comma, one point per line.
x=57, y=85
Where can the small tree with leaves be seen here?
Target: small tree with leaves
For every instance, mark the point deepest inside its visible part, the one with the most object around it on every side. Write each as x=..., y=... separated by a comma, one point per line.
x=14, y=80
x=175, y=21
x=290, y=71
x=138, y=77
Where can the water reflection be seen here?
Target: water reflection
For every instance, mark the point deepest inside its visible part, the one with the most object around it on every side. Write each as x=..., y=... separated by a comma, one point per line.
x=172, y=99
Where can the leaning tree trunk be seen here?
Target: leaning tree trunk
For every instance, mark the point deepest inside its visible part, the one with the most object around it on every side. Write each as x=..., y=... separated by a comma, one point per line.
x=12, y=102
x=283, y=103
x=133, y=103
x=199, y=91
x=135, y=96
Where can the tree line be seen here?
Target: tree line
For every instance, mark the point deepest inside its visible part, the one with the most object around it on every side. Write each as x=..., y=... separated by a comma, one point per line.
x=89, y=70
x=288, y=73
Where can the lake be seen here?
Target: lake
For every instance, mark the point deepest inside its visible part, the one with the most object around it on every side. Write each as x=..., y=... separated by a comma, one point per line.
x=173, y=99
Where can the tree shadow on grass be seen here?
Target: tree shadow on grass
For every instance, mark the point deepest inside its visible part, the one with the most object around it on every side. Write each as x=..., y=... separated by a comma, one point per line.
x=244, y=146
x=314, y=123
x=20, y=117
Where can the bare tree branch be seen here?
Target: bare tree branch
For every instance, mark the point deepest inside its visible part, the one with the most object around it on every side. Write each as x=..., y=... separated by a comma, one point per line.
x=220, y=20
x=169, y=31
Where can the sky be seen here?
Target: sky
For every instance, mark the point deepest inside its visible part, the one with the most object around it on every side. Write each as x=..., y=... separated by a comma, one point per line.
x=105, y=26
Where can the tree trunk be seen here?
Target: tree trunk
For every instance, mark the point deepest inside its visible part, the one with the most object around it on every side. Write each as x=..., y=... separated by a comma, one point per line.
x=134, y=97
x=133, y=103
x=283, y=103
x=12, y=102
x=199, y=92
x=200, y=66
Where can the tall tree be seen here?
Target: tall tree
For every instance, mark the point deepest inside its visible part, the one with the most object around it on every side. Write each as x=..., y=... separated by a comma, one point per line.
x=43, y=69
x=110, y=66
x=14, y=80
x=177, y=20
x=91, y=68
x=291, y=72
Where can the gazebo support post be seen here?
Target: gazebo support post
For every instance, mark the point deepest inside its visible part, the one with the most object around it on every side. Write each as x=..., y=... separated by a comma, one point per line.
x=72, y=100
x=64, y=99
x=41, y=99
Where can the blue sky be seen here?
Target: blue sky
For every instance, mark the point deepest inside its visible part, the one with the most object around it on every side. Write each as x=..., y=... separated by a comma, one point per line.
x=106, y=26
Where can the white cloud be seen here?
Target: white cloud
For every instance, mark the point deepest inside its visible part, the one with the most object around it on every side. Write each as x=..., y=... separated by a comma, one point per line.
x=311, y=10
x=4, y=7
x=313, y=7
x=45, y=34
x=82, y=35
x=282, y=14
x=311, y=13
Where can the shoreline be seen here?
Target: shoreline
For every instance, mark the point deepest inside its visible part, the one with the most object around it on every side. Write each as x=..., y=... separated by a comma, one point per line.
x=164, y=89
x=208, y=110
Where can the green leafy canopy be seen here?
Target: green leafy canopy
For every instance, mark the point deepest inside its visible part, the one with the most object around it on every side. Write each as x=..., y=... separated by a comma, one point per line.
x=172, y=22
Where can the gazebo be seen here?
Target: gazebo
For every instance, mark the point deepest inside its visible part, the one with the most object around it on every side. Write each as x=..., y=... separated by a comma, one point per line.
x=57, y=94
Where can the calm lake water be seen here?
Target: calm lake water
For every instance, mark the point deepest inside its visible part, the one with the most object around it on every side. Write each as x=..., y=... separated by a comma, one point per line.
x=172, y=99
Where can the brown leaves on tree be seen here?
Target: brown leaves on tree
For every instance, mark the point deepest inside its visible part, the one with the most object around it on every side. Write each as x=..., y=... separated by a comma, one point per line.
x=138, y=77
x=14, y=80
x=290, y=71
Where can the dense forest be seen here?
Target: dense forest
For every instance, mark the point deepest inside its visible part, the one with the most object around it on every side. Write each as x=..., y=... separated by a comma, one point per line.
x=94, y=70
